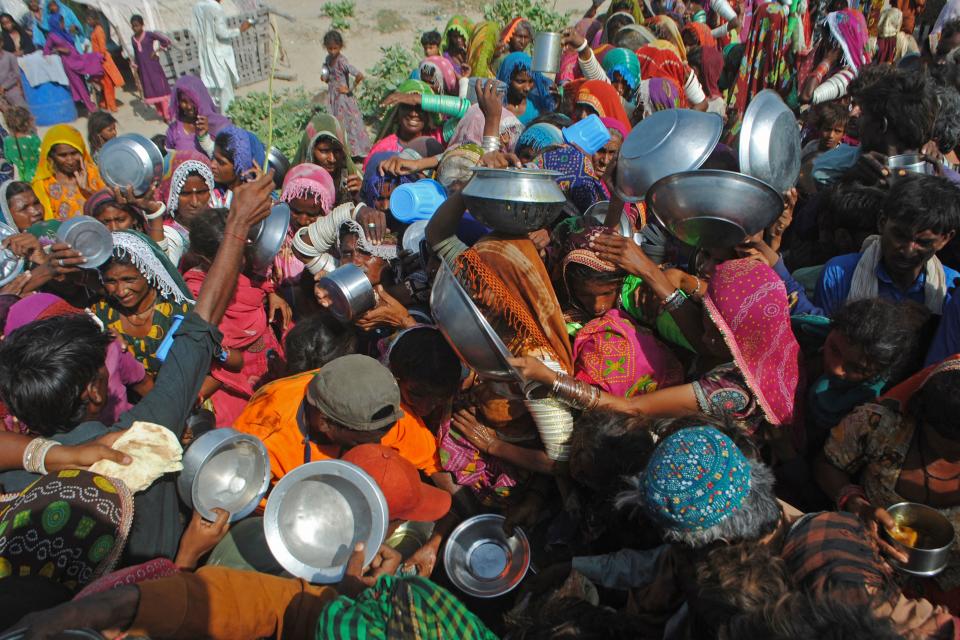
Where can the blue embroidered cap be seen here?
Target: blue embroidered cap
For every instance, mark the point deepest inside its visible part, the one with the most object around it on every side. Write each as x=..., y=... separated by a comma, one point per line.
x=695, y=478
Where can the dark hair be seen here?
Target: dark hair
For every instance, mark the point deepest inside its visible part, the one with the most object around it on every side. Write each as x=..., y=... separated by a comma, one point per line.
x=889, y=333
x=938, y=403
x=19, y=120
x=906, y=101
x=161, y=141
x=98, y=121
x=946, y=75
x=315, y=341
x=851, y=206
x=424, y=356
x=621, y=5
x=559, y=618
x=222, y=144
x=16, y=188
x=950, y=29
x=583, y=273
x=617, y=22
x=829, y=114
x=206, y=232
x=607, y=446
x=134, y=213
x=46, y=366
x=923, y=202
x=431, y=37
x=332, y=38
x=946, y=128
x=559, y=120
x=800, y=616
x=136, y=18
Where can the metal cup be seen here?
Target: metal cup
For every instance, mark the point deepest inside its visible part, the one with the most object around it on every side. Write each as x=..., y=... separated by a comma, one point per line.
x=546, y=52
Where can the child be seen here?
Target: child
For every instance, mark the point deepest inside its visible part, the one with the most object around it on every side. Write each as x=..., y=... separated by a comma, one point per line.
x=22, y=146
x=829, y=121
x=111, y=75
x=430, y=41
x=153, y=80
x=343, y=106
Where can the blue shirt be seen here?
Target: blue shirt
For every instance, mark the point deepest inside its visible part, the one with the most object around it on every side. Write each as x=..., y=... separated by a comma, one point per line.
x=837, y=277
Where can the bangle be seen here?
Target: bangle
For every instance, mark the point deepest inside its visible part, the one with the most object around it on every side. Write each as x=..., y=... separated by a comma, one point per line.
x=673, y=301
x=697, y=290
x=35, y=454
x=491, y=143
x=575, y=393
x=156, y=214
x=583, y=45
x=849, y=492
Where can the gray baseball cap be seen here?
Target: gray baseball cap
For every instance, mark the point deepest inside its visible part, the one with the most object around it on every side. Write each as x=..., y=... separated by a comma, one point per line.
x=357, y=392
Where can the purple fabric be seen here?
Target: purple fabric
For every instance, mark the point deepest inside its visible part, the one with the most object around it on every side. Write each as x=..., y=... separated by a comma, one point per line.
x=152, y=77
x=193, y=87
x=124, y=370
x=76, y=65
x=10, y=80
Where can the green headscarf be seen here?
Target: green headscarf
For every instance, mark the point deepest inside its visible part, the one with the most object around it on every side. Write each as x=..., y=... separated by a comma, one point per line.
x=626, y=63
x=324, y=125
x=462, y=25
x=410, y=607
x=482, y=49
x=150, y=260
x=390, y=120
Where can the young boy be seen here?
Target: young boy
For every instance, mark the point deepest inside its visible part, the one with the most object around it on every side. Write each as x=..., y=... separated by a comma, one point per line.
x=430, y=41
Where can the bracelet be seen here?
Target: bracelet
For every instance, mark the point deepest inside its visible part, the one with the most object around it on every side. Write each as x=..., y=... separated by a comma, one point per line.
x=697, y=290
x=849, y=492
x=575, y=393
x=491, y=144
x=156, y=214
x=673, y=301
x=583, y=45
x=35, y=454
x=235, y=237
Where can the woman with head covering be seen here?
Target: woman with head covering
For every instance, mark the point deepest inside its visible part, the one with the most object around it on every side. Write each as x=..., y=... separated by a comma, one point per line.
x=482, y=50
x=308, y=191
x=657, y=94
x=66, y=175
x=623, y=70
x=439, y=74
x=470, y=128
x=660, y=59
x=58, y=18
x=377, y=188
x=666, y=29
x=20, y=206
x=78, y=66
x=185, y=189
x=611, y=27
x=324, y=143
x=111, y=213
x=605, y=158
x=144, y=292
x=536, y=139
x=600, y=98
x=456, y=35
x=697, y=34
x=890, y=44
x=14, y=37
x=196, y=120
x=578, y=178
x=517, y=36
x=707, y=63
x=411, y=117
x=846, y=53
x=237, y=153
x=528, y=91
x=634, y=36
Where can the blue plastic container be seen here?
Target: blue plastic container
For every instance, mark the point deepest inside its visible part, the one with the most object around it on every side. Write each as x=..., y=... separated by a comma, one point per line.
x=589, y=135
x=417, y=201
x=50, y=103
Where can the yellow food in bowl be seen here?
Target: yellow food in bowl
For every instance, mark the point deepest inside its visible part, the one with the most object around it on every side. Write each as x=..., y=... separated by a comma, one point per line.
x=905, y=535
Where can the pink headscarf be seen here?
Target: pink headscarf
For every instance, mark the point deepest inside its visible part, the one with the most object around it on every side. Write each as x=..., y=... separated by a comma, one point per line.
x=748, y=302
x=616, y=125
x=445, y=68
x=309, y=181
x=470, y=128
x=849, y=28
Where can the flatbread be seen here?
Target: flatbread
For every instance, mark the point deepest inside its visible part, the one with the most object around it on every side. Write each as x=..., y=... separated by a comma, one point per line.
x=154, y=450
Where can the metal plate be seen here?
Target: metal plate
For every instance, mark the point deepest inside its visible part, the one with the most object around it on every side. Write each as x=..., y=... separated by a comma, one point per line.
x=88, y=236
x=770, y=142
x=482, y=561
x=318, y=512
x=130, y=160
x=269, y=235
x=10, y=264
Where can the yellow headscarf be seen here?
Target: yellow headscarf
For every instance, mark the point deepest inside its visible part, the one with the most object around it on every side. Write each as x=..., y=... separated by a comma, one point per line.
x=482, y=49
x=59, y=134
x=666, y=28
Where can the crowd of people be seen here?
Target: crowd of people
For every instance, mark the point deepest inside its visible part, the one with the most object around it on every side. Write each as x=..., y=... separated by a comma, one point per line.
x=706, y=442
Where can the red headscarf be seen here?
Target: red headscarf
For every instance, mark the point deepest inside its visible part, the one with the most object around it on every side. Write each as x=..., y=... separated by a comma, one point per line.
x=604, y=99
x=660, y=59
x=702, y=33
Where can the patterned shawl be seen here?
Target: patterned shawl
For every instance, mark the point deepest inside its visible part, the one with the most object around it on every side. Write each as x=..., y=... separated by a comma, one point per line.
x=309, y=181
x=384, y=251
x=661, y=60
x=702, y=33
x=849, y=28
x=152, y=264
x=180, y=165
x=461, y=24
x=482, y=49
x=577, y=178
x=69, y=526
x=457, y=164
x=246, y=148
x=748, y=303
x=444, y=77
x=657, y=94
x=604, y=99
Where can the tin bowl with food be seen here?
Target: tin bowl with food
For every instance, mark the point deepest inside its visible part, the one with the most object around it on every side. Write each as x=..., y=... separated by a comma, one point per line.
x=924, y=534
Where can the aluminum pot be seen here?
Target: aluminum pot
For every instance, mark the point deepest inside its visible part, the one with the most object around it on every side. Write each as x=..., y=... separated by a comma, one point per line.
x=936, y=536
x=546, y=52
x=482, y=561
x=130, y=161
x=350, y=291
x=11, y=265
x=769, y=145
x=267, y=237
x=514, y=201
x=225, y=469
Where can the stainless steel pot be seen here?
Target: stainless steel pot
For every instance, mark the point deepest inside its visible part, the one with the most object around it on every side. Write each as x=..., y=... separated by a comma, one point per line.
x=268, y=236
x=903, y=164
x=514, y=201
x=350, y=291
x=936, y=537
x=546, y=52
x=280, y=165
x=769, y=143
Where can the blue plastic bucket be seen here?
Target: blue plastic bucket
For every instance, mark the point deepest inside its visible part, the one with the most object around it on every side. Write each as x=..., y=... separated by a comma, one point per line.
x=50, y=103
x=589, y=135
x=417, y=201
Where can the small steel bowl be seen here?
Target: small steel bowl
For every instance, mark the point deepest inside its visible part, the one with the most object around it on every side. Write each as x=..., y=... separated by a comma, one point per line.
x=908, y=163
x=88, y=236
x=936, y=538
x=482, y=561
x=317, y=514
x=596, y=215
x=350, y=290
x=268, y=236
x=130, y=161
x=224, y=469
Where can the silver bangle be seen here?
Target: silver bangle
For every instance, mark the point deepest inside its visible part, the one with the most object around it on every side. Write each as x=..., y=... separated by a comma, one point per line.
x=35, y=454
x=491, y=144
x=156, y=214
x=583, y=45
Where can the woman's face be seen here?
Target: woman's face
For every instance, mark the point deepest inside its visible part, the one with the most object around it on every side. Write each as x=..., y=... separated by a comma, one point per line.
x=844, y=360
x=126, y=286
x=137, y=27
x=351, y=254
x=520, y=40
x=193, y=199
x=66, y=159
x=605, y=160
x=456, y=42
x=581, y=111
x=412, y=121
x=594, y=296
x=115, y=218
x=303, y=211
x=108, y=133
x=6, y=23
x=26, y=209
x=328, y=156
x=223, y=171
x=188, y=110
x=521, y=84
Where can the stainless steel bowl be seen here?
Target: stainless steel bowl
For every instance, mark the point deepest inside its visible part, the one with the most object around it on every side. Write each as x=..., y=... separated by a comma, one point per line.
x=770, y=141
x=482, y=561
x=268, y=236
x=936, y=537
x=597, y=214
x=713, y=208
x=11, y=265
x=909, y=163
x=280, y=165
x=88, y=236
x=467, y=331
x=318, y=512
x=350, y=291
x=130, y=160
x=224, y=469
x=664, y=143
x=325, y=73
x=514, y=201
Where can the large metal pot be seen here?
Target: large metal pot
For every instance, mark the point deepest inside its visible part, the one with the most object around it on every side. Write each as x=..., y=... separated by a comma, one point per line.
x=280, y=165
x=936, y=536
x=514, y=201
x=350, y=292
x=224, y=469
x=770, y=141
x=662, y=144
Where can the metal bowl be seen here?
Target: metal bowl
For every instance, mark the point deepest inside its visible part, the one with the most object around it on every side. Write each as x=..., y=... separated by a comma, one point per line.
x=71, y=634
x=713, y=208
x=224, y=469
x=770, y=141
x=130, y=160
x=514, y=201
x=909, y=163
x=318, y=512
x=88, y=236
x=597, y=214
x=280, y=165
x=350, y=291
x=936, y=537
x=325, y=73
x=662, y=144
x=482, y=561
x=467, y=331
x=11, y=265
x=268, y=236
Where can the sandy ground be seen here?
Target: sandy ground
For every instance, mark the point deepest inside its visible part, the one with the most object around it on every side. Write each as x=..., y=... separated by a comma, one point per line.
x=376, y=23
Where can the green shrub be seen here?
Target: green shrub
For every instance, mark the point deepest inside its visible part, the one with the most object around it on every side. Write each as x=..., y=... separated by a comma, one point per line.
x=396, y=63
x=292, y=109
x=339, y=11
x=540, y=16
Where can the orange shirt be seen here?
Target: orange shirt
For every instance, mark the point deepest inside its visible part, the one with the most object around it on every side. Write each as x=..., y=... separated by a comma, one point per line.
x=272, y=416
